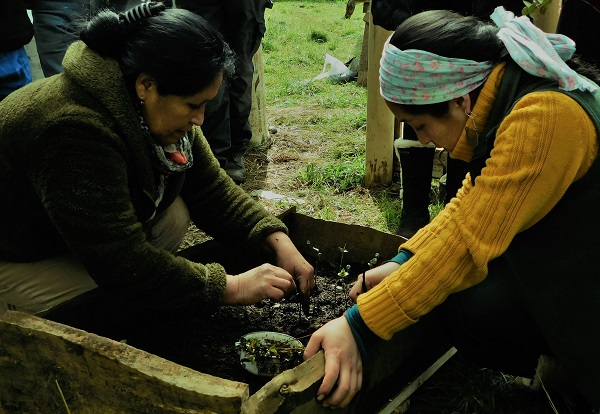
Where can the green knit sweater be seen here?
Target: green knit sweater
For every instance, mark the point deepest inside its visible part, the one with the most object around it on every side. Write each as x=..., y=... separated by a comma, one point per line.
x=76, y=178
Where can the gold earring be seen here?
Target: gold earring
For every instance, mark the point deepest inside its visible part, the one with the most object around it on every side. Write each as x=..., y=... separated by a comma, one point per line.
x=472, y=131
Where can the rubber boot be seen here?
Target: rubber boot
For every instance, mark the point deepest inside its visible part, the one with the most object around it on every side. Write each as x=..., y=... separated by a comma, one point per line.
x=416, y=168
x=456, y=173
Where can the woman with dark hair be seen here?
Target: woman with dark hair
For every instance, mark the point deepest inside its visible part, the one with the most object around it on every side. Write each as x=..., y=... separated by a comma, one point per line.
x=416, y=160
x=101, y=169
x=508, y=268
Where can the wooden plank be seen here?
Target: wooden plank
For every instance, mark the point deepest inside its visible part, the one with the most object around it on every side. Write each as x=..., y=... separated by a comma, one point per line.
x=403, y=395
x=380, y=120
x=328, y=236
x=290, y=383
x=46, y=367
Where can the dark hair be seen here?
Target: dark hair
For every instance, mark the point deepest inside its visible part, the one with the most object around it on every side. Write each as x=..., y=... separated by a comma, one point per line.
x=175, y=46
x=453, y=35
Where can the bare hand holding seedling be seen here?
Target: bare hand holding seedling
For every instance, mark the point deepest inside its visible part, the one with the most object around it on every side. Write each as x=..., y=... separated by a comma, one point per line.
x=263, y=282
x=372, y=278
x=290, y=259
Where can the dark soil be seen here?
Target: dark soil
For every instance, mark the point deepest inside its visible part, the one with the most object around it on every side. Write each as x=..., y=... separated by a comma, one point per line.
x=208, y=345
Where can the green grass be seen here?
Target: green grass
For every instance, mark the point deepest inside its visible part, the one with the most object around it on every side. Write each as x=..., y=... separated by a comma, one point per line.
x=298, y=36
x=341, y=176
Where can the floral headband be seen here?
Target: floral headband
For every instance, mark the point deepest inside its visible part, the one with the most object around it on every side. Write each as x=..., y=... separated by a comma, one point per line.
x=416, y=77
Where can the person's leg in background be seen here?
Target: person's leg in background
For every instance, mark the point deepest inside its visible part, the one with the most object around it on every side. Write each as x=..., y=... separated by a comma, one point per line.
x=244, y=38
x=53, y=23
x=16, y=31
x=15, y=71
x=216, y=126
x=226, y=123
x=416, y=165
x=456, y=170
x=56, y=24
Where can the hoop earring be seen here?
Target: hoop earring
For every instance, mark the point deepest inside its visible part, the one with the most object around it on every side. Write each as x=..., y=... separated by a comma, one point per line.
x=472, y=131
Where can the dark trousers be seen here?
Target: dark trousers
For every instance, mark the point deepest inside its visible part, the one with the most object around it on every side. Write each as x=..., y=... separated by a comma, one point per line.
x=242, y=25
x=491, y=326
x=508, y=320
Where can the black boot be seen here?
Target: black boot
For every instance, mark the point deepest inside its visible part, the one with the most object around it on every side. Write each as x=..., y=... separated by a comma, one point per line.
x=456, y=172
x=417, y=166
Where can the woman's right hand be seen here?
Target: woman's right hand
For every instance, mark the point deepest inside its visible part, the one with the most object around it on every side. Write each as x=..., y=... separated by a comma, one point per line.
x=263, y=282
x=372, y=278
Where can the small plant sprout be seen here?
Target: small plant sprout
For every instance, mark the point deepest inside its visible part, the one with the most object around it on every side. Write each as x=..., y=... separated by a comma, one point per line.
x=373, y=261
x=344, y=272
x=317, y=262
x=342, y=251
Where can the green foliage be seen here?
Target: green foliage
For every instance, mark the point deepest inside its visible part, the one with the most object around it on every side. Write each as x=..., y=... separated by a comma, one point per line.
x=269, y=349
x=318, y=37
x=535, y=7
x=338, y=177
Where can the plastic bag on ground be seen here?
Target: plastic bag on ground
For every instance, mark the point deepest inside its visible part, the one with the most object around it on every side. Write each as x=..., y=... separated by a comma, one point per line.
x=335, y=70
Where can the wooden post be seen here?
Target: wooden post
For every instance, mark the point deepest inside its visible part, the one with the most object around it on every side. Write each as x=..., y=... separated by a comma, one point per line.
x=380, y=120
x=258, y=118
x=549, y=20
x=364, y=52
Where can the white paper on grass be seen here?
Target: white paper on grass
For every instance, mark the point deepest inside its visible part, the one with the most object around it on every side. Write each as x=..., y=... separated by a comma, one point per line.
x=269, y=195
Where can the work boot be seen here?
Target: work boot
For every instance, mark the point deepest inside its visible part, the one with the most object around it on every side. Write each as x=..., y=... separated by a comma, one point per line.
x=236, y=169
x=416, y=168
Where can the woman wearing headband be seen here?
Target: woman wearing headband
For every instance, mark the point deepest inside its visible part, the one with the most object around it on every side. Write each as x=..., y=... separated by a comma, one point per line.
x=102, y=167
x=508, y=268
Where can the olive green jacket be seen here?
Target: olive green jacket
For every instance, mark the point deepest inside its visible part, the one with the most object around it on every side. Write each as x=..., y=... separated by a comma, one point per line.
x=76, y=178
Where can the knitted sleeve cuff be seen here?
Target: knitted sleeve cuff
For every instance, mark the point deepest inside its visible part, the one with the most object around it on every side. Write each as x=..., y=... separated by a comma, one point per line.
x=401, y=257
x=364, y=337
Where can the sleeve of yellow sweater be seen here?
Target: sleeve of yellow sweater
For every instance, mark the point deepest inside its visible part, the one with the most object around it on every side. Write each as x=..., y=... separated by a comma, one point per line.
x=545, y=144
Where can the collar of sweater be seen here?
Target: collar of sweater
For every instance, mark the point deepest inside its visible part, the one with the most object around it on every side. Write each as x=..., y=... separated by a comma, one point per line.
x=99, y=76
x=464, y=149
x=103, y=80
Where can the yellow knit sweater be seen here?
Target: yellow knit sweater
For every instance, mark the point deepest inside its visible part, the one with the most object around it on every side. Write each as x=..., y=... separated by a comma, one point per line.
x=545, y=144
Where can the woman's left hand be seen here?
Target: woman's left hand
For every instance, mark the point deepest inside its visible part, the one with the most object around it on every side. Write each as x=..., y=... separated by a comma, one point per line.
x=343, y=365
x=372, y=278
x=290, y=259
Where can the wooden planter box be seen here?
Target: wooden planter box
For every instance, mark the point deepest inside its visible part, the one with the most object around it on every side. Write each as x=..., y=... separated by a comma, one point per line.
x=47, y=367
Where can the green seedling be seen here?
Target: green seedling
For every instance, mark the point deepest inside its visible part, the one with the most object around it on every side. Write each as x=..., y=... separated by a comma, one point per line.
x=270, y=349
x=373, y=261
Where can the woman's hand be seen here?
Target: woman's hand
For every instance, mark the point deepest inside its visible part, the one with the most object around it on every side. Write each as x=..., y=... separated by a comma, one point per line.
x=263, y=282
x=343, y=365
x=290, y=259
x=372, y=278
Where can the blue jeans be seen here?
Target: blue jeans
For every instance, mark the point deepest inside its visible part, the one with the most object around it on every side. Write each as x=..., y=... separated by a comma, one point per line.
x=56, y=24
x=14, y=71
